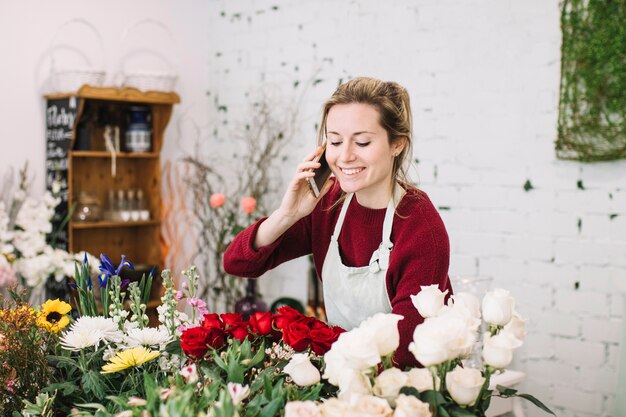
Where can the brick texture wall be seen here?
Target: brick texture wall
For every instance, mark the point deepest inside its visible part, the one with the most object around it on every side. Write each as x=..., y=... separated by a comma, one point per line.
x=483, y=77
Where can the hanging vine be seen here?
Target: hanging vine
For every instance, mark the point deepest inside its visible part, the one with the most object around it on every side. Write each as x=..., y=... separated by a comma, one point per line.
x=592, y=102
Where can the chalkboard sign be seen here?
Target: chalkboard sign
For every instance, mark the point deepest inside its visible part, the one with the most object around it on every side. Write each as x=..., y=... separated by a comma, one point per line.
x=60, y=121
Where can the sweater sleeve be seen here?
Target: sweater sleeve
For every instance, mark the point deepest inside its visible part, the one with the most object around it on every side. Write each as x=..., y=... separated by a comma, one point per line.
x=243, y=260
x=420, y=257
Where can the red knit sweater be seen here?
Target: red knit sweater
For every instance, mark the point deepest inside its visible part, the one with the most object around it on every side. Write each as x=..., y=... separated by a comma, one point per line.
x=420, y=254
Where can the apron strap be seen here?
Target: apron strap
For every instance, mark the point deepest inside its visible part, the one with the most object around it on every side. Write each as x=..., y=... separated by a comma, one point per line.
x=342, y=216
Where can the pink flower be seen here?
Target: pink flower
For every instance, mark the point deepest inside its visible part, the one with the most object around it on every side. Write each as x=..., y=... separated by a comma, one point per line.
x=198, y=304
x=248, y=204
x=178, y=296
x=7, y=277
x=217, y=200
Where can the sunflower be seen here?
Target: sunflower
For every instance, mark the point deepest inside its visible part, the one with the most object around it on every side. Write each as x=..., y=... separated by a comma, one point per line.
x=53, y=316
x=129, y=358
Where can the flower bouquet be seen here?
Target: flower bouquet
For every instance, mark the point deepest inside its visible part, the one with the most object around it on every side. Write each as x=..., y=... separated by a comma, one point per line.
x=273, y=364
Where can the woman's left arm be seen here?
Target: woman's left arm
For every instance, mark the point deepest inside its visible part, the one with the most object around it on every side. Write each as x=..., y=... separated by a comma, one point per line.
x=420, y=257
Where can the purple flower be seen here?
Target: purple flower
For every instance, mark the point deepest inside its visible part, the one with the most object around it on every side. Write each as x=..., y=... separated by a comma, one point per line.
x=108, y=270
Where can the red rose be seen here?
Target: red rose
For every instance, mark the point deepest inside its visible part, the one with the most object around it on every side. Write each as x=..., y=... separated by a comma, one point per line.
x=231, y=319
x=217, y=338
x=239, y=332
x=261, y=323
x=285, y=316
x=297, y=335
x=338, y=330
x=212, y=320
x=195, y=341
x=235, y=326
x=322, y=338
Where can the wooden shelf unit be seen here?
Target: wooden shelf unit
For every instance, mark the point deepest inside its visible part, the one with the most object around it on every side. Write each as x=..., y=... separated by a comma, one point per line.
x=91, y=170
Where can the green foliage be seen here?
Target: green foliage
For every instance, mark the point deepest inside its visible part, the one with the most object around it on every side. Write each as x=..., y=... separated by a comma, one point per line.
x=592, y=105
x=24, y=370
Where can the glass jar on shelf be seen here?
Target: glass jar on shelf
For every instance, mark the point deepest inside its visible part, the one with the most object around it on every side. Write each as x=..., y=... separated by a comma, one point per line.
x=88, y=208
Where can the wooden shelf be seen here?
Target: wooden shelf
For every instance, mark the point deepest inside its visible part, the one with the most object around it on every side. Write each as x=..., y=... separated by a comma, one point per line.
x=127, y=94
x=106, y=154
x=108, y=224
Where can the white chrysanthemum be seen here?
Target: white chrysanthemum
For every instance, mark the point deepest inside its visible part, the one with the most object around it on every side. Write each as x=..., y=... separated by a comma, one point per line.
x=108, y=328
x=147, y=337
x=76, y=340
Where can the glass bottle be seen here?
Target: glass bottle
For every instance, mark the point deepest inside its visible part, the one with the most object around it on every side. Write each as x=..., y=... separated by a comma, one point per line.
x=142, y=206
x=122, y=206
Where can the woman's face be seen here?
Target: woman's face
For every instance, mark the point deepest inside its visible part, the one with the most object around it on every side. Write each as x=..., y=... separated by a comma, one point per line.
x=359, y=153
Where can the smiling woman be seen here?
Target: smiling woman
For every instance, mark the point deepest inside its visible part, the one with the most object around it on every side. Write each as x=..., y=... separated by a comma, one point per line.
x=375, y=239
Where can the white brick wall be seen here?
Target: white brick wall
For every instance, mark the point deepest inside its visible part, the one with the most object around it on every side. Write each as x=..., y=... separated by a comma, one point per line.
x=483, y=76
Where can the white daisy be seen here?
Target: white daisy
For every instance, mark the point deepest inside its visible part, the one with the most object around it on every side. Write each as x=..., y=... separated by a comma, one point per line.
x=107, y=327
x=76, y=340
x=147, y=337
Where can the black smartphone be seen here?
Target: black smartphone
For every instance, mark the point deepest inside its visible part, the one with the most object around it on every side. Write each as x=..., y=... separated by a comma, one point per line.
x=322, y=174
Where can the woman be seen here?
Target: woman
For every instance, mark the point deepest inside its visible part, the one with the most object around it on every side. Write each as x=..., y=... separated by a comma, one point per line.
x=374, y=238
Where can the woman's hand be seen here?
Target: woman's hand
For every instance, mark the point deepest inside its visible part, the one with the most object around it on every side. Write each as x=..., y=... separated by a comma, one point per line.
x=298, y=202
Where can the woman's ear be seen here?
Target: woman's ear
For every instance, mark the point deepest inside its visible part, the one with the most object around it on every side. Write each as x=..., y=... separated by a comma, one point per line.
x=398, y=145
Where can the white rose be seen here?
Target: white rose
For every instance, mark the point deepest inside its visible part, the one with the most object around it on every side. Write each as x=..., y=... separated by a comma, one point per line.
x=442, y=338
x=334, y=407
x=421, y=379
x=469, y=301
x=498, y=349
x=190, y=373
x=302, y=371
x=410, y=406
x=388, y=383
x=369, y=406
x=385, y=330
x=429, y=300
x=430, y=344
x=302, y=409
x=335, y=364
x=464, y=385
x=465, y=325
x=237, y=392
x=498, y=307
x=353, y=383
x=516, y=327
x=358, y=347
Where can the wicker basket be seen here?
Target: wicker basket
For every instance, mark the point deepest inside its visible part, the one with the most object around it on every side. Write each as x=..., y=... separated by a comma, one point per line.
x=68, y=79
x=148, y=79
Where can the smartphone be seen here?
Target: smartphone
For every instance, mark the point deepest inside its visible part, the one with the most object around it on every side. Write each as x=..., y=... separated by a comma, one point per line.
x=321, y=174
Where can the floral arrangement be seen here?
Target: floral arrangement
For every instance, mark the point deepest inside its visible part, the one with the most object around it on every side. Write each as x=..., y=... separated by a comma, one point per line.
x=272, y=364
x=26, y=255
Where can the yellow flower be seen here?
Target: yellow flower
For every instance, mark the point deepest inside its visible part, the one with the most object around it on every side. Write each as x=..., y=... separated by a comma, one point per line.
x=129, y=358
x=53, y=316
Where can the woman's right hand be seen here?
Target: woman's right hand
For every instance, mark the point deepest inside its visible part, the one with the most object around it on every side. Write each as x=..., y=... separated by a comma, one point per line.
x=298, y=202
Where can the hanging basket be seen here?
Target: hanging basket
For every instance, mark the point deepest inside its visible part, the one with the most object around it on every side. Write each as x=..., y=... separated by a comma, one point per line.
x=148, y=79
x=68, y=79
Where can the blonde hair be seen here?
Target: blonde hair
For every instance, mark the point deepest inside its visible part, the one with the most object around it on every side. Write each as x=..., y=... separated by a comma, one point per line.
x=391, y=100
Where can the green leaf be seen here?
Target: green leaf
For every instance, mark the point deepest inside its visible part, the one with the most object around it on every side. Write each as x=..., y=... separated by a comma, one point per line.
x=272, y=408
x=506, y=391
x=267, y=389
x=432, y=397
x=461, y=412
x=536, y=402
x=410, y=391
x=93, y=384
x=66, y=388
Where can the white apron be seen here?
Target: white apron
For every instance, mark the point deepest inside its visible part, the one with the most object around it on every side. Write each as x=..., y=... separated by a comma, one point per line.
x=352, y=294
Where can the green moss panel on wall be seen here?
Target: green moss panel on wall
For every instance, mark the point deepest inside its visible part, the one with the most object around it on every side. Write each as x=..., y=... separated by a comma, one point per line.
x=592, y=104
